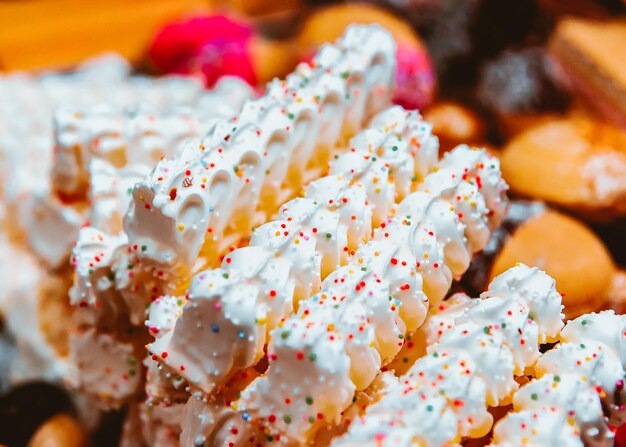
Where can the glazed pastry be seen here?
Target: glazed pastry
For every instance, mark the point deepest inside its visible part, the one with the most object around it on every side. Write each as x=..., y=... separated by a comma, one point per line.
x=445, y=395
x=574, y=163
x=578, y=382
x=357, y=323
x=259, y=285
x=206, y=199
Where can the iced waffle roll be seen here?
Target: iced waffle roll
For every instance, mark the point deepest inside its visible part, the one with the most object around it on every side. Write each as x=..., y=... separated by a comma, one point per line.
x=212, y=194
x=125, y=268
x=259, y=285
x=48, y=161
x=445, y=395
x=339, y=338
x=579, y=389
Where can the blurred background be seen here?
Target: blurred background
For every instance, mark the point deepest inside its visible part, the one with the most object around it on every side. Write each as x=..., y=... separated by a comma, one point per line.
x=540, y=83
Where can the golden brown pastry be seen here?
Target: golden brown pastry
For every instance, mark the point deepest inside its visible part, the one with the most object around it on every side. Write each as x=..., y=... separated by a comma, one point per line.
x=455, y=124
x=568, y=251
x=591, y=56
x=575, y=163
x=327, y=24
x=59, y=431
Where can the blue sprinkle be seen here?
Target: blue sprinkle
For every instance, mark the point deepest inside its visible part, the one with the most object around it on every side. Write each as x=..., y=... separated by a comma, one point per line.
x=241, y=334
x=211, y=209
x=245, y=416
x=215, y=328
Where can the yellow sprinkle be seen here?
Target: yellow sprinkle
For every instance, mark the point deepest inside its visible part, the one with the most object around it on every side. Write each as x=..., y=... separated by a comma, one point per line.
x=181, y=227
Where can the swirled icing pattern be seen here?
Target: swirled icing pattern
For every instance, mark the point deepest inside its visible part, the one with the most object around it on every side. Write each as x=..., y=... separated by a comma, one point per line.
x=188, y=203
x=258, y=286
x=471, y=367
x=578, y=382
x=339, y=338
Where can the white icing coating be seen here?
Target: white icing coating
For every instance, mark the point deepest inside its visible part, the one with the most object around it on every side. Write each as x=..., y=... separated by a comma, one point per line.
x=288, y=258
x=23, y=283
x=247, y=158
x=473, y=364
x=94, y=291
x=50, y=227
x=104, y=367
x=581, y=379
x=163, y=314
x=367, y=307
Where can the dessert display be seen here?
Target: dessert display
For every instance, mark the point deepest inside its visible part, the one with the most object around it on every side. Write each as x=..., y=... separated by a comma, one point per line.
x=356, y=227
x=574, y=163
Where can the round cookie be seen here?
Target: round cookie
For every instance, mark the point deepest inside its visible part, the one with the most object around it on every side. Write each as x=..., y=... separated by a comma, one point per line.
x=59, y=431
x=576, y=163
x=569, y=252
x=455, y=124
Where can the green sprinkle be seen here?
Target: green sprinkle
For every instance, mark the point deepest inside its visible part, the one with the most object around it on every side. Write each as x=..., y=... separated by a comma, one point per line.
x=395, y=148
x=429, y=408
x=328, y=235
x=312, y=356
x=144, y=247
x=287, y=419
x=285, y=334
x=557, y=378
x=345, y=75
x=291, y=116
x=225, y=275
x=309, y=400
x=534, y=396
x=486, y=330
